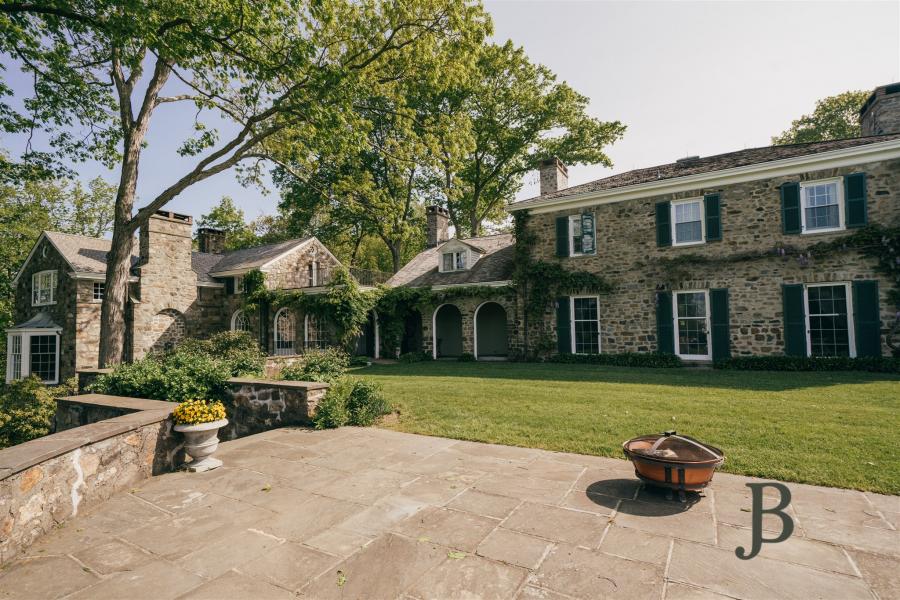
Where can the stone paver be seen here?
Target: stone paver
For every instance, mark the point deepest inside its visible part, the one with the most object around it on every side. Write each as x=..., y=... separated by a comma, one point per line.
x=368, y=513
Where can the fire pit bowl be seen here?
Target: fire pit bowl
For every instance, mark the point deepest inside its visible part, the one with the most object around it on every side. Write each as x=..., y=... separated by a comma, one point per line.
x=672, y=461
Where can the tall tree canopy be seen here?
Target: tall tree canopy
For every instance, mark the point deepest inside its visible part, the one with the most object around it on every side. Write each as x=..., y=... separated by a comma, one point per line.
x=834, y=118
x=230, y=219
x=282, y=73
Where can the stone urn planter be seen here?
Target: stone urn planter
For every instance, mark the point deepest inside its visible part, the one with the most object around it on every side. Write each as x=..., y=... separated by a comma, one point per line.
x=200, y=441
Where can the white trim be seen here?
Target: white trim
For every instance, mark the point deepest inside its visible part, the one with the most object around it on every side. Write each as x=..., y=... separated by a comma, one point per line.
x=234, y=317
x=54, y=284
x=34, y=248
x=306, y=333
x=839, y=185
x=238, y=284
x=674, y=227
x=878, y=151
x=572, y=219
x=851, y=333
x=25, y=351
x=205, y=284
x=572, y=323
x=475, y=325
x=455, y=254
x=377, y=335
x=84, y=275
x=275, y=333
x=445, y=286
x=708, y=355
x=434, y=327
x=94, y=299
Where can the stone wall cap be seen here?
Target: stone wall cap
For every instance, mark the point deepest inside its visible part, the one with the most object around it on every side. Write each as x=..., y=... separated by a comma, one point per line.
x=279, y=383
x=120, y=402
x=95, y=370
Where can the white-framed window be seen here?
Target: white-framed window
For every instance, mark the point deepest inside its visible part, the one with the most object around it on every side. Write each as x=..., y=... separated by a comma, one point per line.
x=314, y=333
x=688, y=222
x=690, y=312
x=585, y=317
x=285, y=332
x=99, y=291
x=829, y=320
x=34, y=352
x=582, y=235
x=822, y=204
x=238, y=284
x=239, y=321
x=43, y=288
x=454, y=261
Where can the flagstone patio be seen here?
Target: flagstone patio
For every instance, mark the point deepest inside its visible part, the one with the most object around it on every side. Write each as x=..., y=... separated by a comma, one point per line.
x=370, y=513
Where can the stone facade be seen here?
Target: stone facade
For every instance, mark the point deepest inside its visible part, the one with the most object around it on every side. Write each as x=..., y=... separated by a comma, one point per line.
x=554, y=176
x=881, y=113
x=292, y=270
x=437, y=225
x=259, y=405
x=751, y=221
x=467, y=308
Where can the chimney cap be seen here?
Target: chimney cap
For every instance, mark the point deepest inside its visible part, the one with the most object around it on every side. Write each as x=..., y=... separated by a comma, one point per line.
x=553, y=161
x=173, y=216
x=210, y=230
x=434, y=208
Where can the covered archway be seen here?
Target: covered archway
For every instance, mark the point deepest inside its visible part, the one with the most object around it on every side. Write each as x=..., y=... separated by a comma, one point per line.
x=491, y=340
x=447, y=332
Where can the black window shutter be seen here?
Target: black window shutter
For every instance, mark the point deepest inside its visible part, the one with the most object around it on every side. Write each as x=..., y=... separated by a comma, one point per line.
x=790, y=207
x=563, y=326
x=866, y=318
x=562, y=236
x=794, y=320
x=665, y=325
x=855, y=199
x=719, y=320
x=229, y=285
x=713, y=217
x=663, y=226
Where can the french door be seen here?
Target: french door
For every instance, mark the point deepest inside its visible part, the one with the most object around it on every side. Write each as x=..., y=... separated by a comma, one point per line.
x=691, y=316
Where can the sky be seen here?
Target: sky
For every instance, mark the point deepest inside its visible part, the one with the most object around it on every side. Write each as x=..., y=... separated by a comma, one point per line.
x=687, y=78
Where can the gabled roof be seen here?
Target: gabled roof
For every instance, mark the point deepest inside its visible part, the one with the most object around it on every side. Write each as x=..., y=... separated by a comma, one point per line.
x=706, y=164
x=84, y=254
x=496, y=265
x=253, y=258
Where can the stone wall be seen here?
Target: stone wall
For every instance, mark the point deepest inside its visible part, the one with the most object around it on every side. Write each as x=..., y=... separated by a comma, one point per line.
x=467, y=308
x=87, y=326
x=881, y=114
x=47, y=481
x=292, y=270
x=259, y=405
x=751, y=221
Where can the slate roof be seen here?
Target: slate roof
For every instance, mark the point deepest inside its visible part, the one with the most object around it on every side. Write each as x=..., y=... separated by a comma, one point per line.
x=202, y=264
x=85, y=254
x=251, y=258
x=41, y=320
x=706, y=164
x=496, y=264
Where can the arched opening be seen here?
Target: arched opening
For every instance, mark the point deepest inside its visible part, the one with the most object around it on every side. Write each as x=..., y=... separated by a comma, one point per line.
x=447, y=332
x=368, y=342
x=167, y=329
x=412, y=333
x=491, y=340
x=315, y=333
x=240, y=321
x=285, y=333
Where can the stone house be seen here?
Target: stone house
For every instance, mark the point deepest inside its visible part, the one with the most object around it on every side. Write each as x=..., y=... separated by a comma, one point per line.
x=174, y=292
x=706, y=257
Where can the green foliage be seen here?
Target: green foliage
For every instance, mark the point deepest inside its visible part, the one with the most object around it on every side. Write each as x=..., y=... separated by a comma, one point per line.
x=623, y=359
x=236, y=349
x=325, y=366
x=466, y=357
x=414, y=357
x=351, y=401
x=230, y=219
x=27, y=408
x=815, y=363
x=359, y=361
x=834, y=118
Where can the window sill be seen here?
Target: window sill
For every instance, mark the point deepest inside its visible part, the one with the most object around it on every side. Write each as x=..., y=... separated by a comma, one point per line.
x=581, y=255
x=688, y=244
x=43, y=304
x=819, y=231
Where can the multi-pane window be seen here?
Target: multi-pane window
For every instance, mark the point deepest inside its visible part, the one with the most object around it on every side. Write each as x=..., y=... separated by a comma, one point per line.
x=692, y=324
x=239, y=284
x=821, y=206
x=688, y=219
x=240, y=322
x=284, y=332
x=829, y=320
x=14, y=358
x=315, y=333
x=582, y=235
x=43, y=288
x=586, y=325
x=43, y=357
x=99, y=290
x=453, y=261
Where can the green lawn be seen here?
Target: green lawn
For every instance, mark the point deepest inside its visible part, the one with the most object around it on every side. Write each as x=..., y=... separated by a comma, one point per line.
x=837, y=429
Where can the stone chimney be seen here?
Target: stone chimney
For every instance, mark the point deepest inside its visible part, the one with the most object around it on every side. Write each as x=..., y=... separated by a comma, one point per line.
x=437, y=220
x=554, y=175
x=880, y=114
x=210, y=240
x=166, y=243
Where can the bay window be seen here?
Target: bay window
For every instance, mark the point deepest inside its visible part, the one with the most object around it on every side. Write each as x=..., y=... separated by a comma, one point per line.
x=33, y=352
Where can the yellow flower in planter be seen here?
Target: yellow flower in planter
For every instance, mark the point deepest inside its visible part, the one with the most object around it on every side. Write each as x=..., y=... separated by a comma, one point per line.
x=194, y=412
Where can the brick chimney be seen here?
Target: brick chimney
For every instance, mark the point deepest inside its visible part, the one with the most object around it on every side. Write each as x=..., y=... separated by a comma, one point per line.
x=210, y=240
x=880, y=114
x=437, y=220
x=554, y=175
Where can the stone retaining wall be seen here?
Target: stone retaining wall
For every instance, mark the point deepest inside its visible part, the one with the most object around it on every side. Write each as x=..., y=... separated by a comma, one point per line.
x=46, y=481
x=262, y=404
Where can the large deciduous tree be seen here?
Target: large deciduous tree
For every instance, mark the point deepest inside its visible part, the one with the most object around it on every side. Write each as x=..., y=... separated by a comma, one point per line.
x=281, y=74
x=834, y=118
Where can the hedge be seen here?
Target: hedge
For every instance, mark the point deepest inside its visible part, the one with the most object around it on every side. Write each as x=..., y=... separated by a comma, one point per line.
x=624, y=359
x=817, y=363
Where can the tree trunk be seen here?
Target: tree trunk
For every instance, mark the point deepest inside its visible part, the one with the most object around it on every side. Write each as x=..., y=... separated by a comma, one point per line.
x=395, y=255
x=474, y=224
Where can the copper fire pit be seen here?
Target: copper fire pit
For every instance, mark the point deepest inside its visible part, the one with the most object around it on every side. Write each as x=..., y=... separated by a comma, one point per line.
x=672, y=461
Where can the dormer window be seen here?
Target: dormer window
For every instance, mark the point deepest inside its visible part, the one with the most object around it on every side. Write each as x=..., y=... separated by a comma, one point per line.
x=453, y=261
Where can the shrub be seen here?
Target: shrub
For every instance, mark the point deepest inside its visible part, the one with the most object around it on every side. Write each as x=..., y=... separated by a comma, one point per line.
x=816, y=363
x=176, y=377
x=237, y=349
x=27, y=408
x=351, y=401
x=360, y=361
x=466, y=357
x=318, y=365
x=414, y=357
x=624, y=359
x=195, y=412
